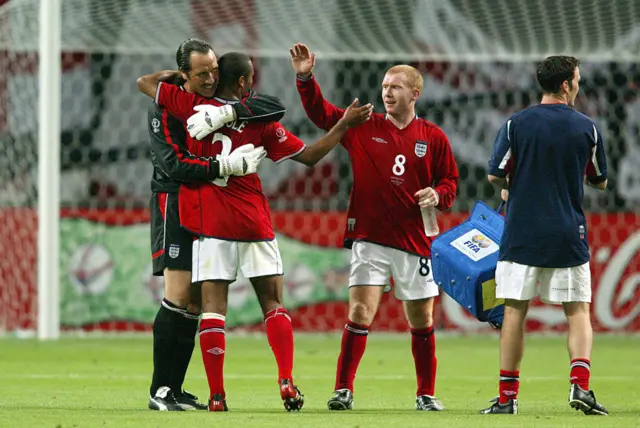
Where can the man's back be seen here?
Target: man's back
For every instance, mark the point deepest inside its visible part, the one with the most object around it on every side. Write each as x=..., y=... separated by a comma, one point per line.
x=546, y=150
x=232, y=208
x=235, y=208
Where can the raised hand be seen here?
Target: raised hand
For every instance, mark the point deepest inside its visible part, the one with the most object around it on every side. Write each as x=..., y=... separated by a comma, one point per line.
x=354, y=115
x=302, y=59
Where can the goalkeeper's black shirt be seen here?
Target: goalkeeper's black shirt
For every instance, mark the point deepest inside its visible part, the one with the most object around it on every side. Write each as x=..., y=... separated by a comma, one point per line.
x=173, y=164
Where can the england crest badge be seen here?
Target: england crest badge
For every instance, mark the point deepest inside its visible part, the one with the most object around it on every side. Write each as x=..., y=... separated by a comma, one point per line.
x=421, y=148
x=174, y=251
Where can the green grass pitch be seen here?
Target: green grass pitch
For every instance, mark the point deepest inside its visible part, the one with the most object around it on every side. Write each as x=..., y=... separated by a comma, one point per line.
x=93, y=382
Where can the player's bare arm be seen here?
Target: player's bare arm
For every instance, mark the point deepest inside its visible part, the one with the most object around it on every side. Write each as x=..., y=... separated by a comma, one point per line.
x=148, y=84
x=500, y=182
x=353, y=116
x=596, y=185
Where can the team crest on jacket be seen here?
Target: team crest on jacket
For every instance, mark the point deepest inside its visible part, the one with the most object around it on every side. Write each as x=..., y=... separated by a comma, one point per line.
x=421, y=148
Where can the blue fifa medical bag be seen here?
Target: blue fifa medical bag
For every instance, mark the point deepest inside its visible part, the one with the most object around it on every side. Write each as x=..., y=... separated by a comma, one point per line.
x=464, y=259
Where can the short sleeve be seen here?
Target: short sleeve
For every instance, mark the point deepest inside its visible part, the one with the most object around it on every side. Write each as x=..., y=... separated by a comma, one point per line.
x=178, y=102
x=279, y=143
x=499, y=162
x=596, y=170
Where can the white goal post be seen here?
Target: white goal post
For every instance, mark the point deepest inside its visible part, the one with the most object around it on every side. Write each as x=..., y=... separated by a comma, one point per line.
x=49, y=72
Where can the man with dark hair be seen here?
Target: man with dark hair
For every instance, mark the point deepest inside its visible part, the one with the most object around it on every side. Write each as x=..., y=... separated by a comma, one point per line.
x=176, y=322
x=556, y=70
x=543, y=155
x=234, y=64
x=185, y=51
x=232, y=219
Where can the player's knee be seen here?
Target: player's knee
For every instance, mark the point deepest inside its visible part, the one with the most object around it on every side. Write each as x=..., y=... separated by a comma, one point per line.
x=214, y=303
x=361, y=313
x=419, y=315
x=576, y=309
x=422, y=320
x=515, y=307
x=269, y=292
x=214, y=297
x=269, y=302
x=212, y=306
x=177, y=284
x=195, y=299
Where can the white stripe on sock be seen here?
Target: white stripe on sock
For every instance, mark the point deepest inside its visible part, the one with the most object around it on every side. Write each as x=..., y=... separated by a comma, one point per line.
x=581, y=364
x=213, y=316
x=356, y=330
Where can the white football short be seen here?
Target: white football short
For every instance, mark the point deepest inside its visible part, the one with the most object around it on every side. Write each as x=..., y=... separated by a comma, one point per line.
x=373, y=264
x=553, y=285
x=217, y=259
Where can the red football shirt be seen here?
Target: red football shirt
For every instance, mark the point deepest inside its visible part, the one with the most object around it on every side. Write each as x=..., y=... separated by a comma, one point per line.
x=389, y=166
x=233, y=208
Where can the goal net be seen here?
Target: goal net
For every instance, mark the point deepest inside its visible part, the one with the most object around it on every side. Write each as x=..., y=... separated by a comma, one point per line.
x=477, y=58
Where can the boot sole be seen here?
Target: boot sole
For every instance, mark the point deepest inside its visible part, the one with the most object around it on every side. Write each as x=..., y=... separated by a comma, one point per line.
x=338, y=405
x=584, y=407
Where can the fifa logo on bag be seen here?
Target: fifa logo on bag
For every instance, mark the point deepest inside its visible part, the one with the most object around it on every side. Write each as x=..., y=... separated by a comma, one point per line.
x=477, y=243
x=481, y=241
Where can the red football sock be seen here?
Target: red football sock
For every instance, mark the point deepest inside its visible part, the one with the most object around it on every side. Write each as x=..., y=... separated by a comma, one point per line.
x=280, y=336
x=213, y=344
x=509, y=385
x=423, y=346
x=580, y=372
x=354, y=342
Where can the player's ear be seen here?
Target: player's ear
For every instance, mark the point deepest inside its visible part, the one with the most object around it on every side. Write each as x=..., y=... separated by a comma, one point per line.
x=184, y=75
x=242, y=81
x=416, y=94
